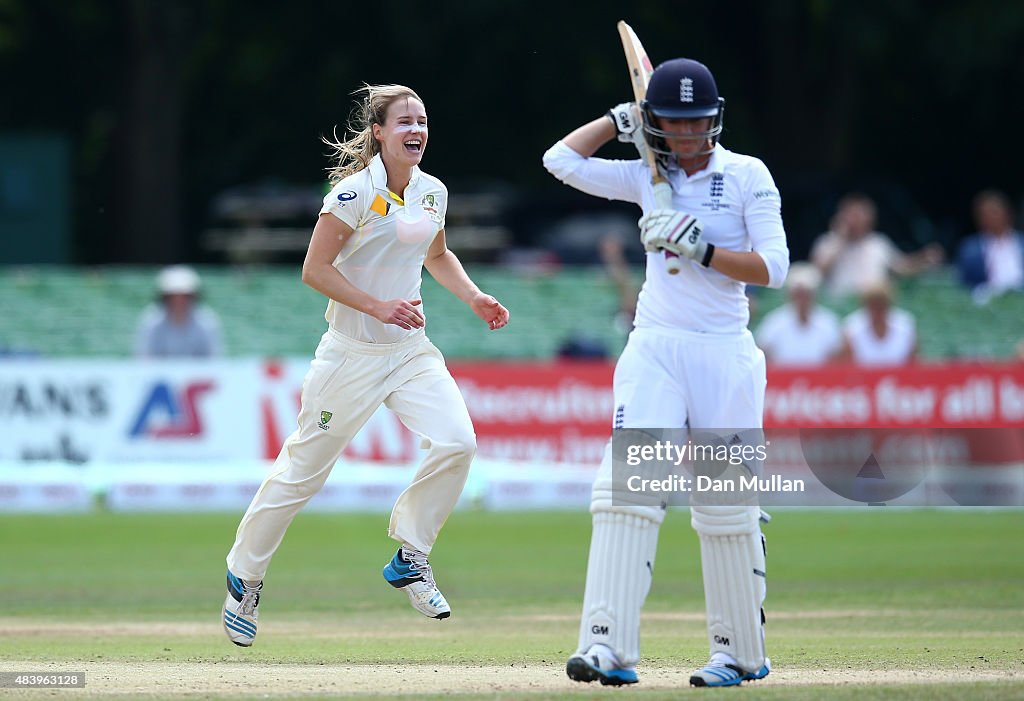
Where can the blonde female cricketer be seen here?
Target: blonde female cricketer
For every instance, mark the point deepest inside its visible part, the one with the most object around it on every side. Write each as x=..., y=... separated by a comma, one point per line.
x=380, y=225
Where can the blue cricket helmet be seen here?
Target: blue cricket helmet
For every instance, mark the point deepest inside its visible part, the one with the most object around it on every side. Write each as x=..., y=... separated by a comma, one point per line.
x=682, y=89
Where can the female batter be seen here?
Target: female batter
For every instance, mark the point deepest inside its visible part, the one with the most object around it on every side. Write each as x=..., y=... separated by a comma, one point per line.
x=690, y=362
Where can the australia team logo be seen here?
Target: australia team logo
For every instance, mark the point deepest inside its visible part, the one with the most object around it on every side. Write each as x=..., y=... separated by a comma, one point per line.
x=431, y=205
x=325, y=418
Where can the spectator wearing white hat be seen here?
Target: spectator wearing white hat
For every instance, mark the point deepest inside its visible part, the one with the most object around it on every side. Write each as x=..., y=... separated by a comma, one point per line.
x=177, y=326
x=879, y=334
x=800, y=332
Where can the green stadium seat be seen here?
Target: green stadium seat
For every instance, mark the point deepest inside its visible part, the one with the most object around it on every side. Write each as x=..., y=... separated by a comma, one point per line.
x=92, y=312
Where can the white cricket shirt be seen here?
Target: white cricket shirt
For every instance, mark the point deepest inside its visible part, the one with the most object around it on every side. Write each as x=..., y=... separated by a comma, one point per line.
x=1003, y=262
x=857, y=264
x=787, y=342
x=159, y=336
x=384, y=257
x=736, y=200
x=895, y=348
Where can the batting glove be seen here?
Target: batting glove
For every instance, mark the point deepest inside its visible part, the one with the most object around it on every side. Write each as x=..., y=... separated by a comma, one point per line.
x=678, y=232
x=628, y=123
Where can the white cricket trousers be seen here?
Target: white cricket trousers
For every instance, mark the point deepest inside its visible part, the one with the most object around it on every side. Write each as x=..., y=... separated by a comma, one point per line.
x=670, y=378
x=347, y=381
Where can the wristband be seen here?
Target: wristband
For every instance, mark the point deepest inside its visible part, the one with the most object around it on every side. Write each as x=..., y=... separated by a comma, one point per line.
x=706, y=261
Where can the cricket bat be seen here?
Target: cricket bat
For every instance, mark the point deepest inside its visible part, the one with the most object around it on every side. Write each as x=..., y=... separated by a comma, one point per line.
x=640, y=70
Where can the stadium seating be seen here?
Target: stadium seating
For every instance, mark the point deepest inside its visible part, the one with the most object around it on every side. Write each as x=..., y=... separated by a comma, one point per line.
x=91, y=312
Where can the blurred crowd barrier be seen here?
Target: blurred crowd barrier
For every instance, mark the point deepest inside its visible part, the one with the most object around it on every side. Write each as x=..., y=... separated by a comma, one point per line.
x=201, y=435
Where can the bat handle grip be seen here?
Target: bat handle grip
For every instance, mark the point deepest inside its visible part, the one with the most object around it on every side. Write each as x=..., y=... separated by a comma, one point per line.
x=663, y=196
x=672, y=263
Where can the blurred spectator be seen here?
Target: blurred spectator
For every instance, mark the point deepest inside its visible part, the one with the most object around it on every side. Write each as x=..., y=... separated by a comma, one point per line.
x=177, y=326
x=801, y=332
x=579, y=347
x=7, y=352
x=878, y=333
x=991, y=261
x=582, y=347
x=610, y=248
x=852, y=256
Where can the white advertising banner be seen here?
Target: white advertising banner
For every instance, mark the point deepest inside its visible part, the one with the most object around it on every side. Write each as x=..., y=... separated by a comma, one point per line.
x=113, y=411
x=44, y=488
x=81, y=411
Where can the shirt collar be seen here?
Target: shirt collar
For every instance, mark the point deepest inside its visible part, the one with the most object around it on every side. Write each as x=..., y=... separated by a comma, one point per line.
x=379, y=174
x=716, y=164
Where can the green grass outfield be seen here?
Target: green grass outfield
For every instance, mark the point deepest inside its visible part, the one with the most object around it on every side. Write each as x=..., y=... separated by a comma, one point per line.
x=869, y=603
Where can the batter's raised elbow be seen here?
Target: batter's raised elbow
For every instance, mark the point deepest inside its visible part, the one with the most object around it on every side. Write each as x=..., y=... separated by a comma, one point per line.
x=555, y=162
x=549, y=161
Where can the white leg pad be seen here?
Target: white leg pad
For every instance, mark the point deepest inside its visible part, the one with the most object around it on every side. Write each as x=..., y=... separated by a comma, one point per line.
x=619, y=573
x=606, y=496
x=733, y=561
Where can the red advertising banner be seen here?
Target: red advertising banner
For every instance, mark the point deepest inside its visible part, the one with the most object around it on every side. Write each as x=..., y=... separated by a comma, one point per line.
x=560, y=402
x=561, y=412
x=915, y=396
x=543, y=412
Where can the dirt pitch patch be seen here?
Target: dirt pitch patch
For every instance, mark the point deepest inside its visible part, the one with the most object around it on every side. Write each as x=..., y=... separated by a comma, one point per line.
x=228, y=679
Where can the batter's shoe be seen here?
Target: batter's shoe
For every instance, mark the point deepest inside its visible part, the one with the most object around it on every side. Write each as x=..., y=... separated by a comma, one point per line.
x=409, y=570
x=240, y=612
x=722, y=674
x=599, y=664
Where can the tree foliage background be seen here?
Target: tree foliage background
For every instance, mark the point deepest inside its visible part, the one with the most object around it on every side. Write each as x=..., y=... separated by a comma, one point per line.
x=169, y=102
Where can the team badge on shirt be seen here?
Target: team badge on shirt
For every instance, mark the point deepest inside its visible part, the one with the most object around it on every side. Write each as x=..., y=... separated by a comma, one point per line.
x=717, y=185
x=717, y=192
x=430, y=205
